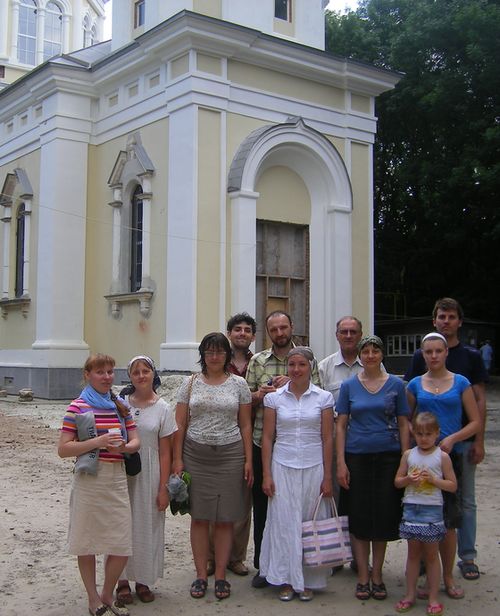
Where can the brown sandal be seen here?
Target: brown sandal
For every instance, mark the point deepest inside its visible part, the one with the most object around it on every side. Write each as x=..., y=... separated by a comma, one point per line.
x=124, y=593
x=144, y=593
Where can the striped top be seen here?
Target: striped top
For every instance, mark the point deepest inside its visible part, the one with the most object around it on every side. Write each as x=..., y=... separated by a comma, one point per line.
x=105, y=419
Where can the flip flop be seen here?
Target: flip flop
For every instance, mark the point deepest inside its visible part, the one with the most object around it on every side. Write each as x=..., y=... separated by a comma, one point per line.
x=363, y=591
x=435, y=610
x=454, y=592
x=404, y=606
x=469, y=569
x=102, y=610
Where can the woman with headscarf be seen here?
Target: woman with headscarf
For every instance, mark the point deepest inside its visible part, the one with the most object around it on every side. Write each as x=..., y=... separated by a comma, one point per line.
x=372, y=432
x=297, y=450
x=147, y=490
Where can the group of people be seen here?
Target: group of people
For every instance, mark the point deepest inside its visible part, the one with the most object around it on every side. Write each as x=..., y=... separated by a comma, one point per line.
x=269, y=433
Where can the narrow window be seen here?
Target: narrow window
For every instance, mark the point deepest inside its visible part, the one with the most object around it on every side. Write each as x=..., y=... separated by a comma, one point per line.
x=139, y=13
x=283, y=9
x=52, y=37
x=20, y=232
x=26, y=38
x=136, y=241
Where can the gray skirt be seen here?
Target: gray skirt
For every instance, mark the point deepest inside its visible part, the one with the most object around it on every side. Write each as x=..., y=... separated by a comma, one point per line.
x=217, y=492
x=100, y=521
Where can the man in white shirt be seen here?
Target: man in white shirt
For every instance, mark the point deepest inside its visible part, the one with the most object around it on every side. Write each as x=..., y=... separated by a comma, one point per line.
x=336, y=368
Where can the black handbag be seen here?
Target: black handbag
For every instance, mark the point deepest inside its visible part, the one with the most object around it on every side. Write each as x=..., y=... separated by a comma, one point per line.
x=133, y=465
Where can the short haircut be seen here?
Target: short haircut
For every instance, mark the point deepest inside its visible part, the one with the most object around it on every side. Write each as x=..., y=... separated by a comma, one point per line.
x=277, y=313
x=350, y=318
x=448, y=303
x=425, y=420
x=98, y=360
x=241, y=317
x=217, y=341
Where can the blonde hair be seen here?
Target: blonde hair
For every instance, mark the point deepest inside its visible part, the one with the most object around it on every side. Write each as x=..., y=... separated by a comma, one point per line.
x=425, y=420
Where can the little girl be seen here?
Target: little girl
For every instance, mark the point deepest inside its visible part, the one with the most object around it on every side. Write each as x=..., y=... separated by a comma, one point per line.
x=424, y=471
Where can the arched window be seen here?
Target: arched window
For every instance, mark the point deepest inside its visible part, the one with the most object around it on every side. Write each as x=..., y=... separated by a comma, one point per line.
x=26, y=38
x=136, y=240
x=53, y=31
x=89, y=32
x=20, y=233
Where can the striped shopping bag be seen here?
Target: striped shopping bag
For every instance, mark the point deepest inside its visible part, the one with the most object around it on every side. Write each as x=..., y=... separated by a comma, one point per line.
x=326, y=543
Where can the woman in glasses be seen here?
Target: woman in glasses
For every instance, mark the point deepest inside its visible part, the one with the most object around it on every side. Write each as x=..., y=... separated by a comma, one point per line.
x=214, y=444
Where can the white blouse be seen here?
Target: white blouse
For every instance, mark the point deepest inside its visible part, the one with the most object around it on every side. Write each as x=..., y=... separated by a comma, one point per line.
x=298, y=425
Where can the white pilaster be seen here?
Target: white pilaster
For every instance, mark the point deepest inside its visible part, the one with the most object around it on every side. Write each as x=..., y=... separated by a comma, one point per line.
x=14, y=28
x=61, y=252
x=40, y=34
x=6, y=219
x=26, y=247
x=243, y=250
x=146, y=232
x=179, y=351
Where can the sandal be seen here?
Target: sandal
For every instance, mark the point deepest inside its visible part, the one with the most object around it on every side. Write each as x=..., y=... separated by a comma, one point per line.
x=124, y=593
x=403, y=606
x=363, y=591
x=119, y=608
x=102, y=610
x=222, y=589
x=144, y=593
x=286, y=593
x=198, y=588
x=379, y=591
x=454, y=592
x=469, y=569
x=436, y=609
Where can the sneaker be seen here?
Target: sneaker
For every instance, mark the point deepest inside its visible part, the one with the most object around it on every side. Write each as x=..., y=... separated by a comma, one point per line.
x=259, y=581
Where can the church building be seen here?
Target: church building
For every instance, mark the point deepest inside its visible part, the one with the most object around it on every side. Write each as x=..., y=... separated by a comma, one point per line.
x=211, y=158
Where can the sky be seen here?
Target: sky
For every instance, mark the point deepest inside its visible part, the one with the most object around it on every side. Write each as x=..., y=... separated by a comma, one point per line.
x=333, y=5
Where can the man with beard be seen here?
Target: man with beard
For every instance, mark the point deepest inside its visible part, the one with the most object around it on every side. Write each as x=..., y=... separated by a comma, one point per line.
x=267, y=371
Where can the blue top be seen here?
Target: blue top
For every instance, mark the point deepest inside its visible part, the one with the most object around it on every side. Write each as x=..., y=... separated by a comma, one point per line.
x=373, y=424
x=447, y=407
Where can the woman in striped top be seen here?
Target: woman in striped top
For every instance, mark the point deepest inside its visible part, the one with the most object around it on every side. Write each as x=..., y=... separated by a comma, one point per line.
x=100, y=519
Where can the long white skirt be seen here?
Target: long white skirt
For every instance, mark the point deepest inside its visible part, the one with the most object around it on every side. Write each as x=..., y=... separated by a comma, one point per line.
x=293, y=503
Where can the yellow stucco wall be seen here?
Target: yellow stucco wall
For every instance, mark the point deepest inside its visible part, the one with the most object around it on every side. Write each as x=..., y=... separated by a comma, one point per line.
x=132, y=333
x=361, y=232
x=208, y=7
x=285, y=85
x=283, y=197
x=17, y=331
x=209, y=222
x=209, y=64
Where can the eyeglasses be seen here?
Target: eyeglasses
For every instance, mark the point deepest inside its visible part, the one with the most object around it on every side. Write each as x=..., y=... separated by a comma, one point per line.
x=214, y=353
x=347, y=332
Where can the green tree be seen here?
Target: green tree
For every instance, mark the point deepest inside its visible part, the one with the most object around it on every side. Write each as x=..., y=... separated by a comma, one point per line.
x=437, y=153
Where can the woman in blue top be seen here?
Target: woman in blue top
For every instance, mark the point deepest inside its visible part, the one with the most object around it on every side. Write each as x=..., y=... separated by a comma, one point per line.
x=446, y=394
x=372, y=431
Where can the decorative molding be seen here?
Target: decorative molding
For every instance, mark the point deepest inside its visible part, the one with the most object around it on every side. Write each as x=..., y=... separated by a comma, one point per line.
x=143, y=298
x=6, y=305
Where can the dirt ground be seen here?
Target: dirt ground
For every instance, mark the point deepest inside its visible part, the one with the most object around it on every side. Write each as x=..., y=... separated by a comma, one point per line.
x=38, y=577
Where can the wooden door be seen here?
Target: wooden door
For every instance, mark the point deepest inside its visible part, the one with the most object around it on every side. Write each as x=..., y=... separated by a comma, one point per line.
x=282, y=277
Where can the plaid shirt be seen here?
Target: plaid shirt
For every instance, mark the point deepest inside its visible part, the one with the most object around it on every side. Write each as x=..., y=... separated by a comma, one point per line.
x=262, y=367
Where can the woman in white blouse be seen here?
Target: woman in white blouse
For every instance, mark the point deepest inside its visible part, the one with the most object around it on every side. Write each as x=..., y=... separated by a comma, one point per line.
x=297, y=450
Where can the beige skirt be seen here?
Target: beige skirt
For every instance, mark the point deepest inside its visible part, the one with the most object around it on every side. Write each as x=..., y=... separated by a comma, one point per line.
x=218, y=492
x=100, y=519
